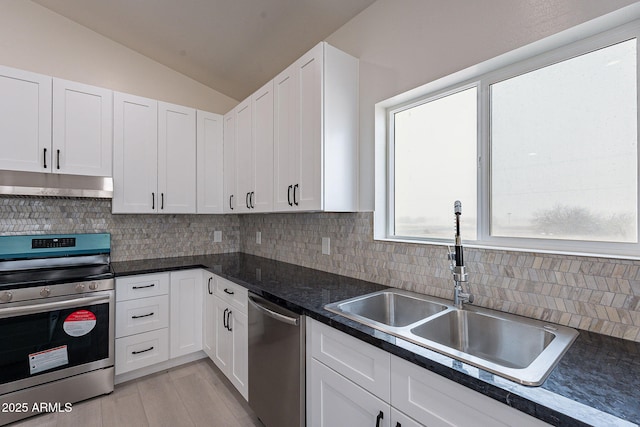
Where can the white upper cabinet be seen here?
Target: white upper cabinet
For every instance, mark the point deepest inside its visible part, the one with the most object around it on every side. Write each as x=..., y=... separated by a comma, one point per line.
x=209, y=128
x=262, y=104
x=54, y=125
x=82, y=129
x=229, y=167
x=135, y=154
x=316, y=130
x=244, y=157
x=252, y=139
x=154, y=160
x=176, y=158
x=25, y=121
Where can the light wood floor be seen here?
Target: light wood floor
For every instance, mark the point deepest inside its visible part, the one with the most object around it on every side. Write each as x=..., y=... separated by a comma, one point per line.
x=196, y=394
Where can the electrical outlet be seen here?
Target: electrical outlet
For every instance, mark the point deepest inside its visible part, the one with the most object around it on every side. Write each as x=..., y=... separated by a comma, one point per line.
x=217, y=236
x=326, y=246
x=258, y=237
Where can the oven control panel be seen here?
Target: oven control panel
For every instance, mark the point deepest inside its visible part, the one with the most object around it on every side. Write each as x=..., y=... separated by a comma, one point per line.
x=56, y=242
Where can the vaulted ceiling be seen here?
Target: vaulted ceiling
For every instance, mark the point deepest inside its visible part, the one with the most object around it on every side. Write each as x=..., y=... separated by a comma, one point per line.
x=232, y=46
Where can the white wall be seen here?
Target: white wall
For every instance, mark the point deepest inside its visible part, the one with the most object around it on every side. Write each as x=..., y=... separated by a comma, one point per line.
x=35, y=39
x=403, y=44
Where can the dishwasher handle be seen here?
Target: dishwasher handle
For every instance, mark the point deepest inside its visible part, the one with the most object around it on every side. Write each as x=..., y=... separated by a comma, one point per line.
x=273, y=314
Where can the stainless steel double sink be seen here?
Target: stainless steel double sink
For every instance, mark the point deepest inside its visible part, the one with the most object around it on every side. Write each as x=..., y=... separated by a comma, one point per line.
x=518, y=348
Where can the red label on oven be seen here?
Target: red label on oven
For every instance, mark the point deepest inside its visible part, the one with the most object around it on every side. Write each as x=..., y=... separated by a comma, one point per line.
x=79, y=323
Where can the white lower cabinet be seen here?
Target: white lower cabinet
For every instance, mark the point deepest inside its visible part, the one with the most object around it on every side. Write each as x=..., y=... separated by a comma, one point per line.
x=352, y=383
x=186, y=312
x=337, y=401
x=229, y=333
x=142, y=321
x=158, y=320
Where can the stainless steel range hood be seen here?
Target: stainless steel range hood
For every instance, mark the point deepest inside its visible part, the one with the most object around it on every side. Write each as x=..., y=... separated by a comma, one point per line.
x=54, y=185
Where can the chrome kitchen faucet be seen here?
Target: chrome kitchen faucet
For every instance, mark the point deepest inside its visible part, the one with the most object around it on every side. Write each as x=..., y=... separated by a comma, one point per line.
x=456, y=264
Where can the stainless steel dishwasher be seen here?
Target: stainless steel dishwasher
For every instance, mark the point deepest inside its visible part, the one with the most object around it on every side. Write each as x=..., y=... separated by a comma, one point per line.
x=276, y=364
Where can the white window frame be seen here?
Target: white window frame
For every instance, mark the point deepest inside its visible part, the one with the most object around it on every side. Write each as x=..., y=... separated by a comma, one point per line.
x=607, y=30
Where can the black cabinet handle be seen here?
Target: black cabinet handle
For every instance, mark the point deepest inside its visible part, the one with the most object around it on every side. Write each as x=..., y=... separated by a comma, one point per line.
x=231, y=202
x=58, y=159
x=161, y=200
x=289, y=195
x=246, y=200
x=143, y=315
x=44, y=157
x=378, y=418
x=153, y=201
x=142, y=351
x=144, y=287
x=224, y=319
x=226, y=290
x=209, y=285
x=251, y=200
x=398, y=424
x=228, y=321
x=295, y=199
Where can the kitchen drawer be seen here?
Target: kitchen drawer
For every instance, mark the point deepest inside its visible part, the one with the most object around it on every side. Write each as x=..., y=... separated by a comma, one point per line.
x=362, y=363
x=232, y=293
x=142, y=315
x=141, y=350
x=141, y=286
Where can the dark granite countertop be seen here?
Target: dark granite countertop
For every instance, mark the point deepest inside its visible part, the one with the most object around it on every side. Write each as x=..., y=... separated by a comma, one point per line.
x=597, y=382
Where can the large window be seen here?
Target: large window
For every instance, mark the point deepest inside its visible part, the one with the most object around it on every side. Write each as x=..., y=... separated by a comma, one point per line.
x=435, y=158
x=542, y=153
x=563, y=149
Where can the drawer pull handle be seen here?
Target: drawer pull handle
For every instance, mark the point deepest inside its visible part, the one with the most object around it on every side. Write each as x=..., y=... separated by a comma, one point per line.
x=143, y=315
x=143, y=351
x=226, y=290
x=378, y=418
x=224, y=319
x=145, y=286
x=209, y=286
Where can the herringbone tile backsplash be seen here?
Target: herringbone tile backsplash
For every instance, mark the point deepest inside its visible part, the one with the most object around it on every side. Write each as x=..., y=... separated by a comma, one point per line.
x=132, y=236
x=596, y=294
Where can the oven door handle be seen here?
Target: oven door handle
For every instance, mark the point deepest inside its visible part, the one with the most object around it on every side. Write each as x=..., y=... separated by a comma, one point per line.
x=48, y=306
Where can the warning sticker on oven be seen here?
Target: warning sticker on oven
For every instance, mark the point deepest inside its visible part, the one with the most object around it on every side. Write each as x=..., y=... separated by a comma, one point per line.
x=79, y=323
x=48, y=359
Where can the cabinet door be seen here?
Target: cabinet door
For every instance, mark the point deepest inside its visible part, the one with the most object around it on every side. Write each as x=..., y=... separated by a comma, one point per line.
x=335, y=401
x=229, y=167
x=208, y=316
x=244, y=170
x=82, y=129
x=308, y=164
x=222, y=337
x=176, y=158
x=186, y=312
x=285, y=138
x=262, y=104
x=209, y=158
x=239, y=368
x=25, y=121
x=135, y=154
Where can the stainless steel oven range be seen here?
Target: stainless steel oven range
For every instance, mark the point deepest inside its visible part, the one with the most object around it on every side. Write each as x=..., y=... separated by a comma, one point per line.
x=56, y=322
